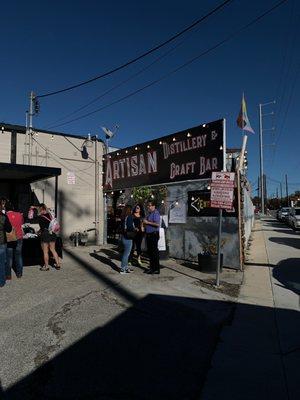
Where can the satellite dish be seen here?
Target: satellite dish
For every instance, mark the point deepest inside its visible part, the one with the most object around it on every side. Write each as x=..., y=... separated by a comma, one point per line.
x=108, y=133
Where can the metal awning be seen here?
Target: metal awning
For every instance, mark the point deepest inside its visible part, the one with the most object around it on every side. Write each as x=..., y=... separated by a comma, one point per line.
x=26, y=173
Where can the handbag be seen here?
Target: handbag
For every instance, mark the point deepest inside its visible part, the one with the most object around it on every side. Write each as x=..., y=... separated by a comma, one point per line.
x=129, y=234
x=11, y=236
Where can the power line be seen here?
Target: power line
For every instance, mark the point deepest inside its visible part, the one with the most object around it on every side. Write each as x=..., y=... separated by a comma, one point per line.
x=172, y=38
x=121, y=83
x=228, y=38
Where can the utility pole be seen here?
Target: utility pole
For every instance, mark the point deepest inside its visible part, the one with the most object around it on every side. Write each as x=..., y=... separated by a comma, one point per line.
x=280, y=193
x=30, y=141
x=261, y=154
x=97, y=193
x=287, y=191
x=261, y=162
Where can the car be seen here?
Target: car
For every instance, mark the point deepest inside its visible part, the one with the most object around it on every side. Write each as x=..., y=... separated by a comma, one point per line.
x=283, y=213
x=294, y=218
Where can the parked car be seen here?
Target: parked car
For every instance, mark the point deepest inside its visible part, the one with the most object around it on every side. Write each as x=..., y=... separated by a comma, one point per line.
x=294, y=218
x=283, y=213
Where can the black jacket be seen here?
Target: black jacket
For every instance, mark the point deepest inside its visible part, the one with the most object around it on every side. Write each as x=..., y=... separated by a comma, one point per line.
x=5, y=226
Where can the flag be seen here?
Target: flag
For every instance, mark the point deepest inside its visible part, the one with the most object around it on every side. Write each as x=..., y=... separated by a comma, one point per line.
x=242, y=119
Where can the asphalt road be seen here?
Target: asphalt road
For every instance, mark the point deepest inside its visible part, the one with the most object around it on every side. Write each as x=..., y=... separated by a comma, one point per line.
x=87, y=332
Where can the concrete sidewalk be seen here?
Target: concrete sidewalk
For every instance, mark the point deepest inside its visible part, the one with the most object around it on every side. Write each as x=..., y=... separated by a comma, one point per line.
x=249, y=360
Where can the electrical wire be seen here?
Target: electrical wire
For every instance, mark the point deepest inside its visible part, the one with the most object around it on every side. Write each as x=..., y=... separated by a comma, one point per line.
x=172, y=38
x=59, y=162
x=122, y=82
x=219, y=44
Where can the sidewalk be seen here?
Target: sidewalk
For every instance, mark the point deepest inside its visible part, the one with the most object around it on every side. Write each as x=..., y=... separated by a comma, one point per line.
x=248, y=362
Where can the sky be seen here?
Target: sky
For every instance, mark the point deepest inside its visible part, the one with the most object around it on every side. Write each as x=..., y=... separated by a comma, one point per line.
x=50, y=45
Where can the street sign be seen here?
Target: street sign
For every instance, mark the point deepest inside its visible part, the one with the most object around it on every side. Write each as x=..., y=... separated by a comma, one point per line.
x=222, y=187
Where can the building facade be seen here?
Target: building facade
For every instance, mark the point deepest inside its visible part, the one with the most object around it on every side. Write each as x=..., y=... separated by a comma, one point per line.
x=76, y=194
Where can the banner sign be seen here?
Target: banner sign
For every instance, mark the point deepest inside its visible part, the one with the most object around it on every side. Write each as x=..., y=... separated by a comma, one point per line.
x=187, y=155
x=199, y=205
x=222, y=186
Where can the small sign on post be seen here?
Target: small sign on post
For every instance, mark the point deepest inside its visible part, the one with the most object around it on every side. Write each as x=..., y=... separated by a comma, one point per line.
x=221, y=197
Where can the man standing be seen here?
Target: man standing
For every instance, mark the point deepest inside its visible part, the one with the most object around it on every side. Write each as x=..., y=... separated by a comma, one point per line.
x=152, y=223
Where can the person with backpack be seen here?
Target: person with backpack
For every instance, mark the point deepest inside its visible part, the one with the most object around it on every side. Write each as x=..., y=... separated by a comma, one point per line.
x=5, y=227
x=14, y=246
x=128, y=234
x=48, y=236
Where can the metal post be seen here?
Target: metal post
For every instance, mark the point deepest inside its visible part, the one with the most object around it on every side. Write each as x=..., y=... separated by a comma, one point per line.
x=97, y=193
x=105, y=200
x=55, y=194
x=220, y=210
x=219, y=247
x=287, y=191
x=262, y=190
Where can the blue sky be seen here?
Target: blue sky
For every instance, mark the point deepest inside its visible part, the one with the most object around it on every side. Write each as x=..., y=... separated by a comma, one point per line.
x=50, y=45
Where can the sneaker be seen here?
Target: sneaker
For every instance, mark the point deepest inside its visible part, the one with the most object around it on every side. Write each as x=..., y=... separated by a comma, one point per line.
x=123, y=272
x=129, y=269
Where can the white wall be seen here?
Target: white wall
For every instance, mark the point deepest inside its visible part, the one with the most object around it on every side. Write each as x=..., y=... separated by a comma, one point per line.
x=76, y=203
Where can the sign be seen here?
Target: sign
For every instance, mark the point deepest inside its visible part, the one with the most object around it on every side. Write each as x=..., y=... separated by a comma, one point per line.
x=187, y=155
x=178, y=213
x=71, y=179
x=222, y=187
x=162, y=240
x=199, y=205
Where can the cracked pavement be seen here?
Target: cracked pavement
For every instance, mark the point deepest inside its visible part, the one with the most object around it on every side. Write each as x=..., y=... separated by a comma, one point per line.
x=46, y=313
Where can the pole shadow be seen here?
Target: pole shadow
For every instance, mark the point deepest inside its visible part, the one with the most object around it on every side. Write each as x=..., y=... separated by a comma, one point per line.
x=291, y=242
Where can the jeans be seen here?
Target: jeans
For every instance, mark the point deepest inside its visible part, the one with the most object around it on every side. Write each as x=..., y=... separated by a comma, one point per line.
x=16, y=256
x=137, y=243
x=2, y=264
x=127, y=248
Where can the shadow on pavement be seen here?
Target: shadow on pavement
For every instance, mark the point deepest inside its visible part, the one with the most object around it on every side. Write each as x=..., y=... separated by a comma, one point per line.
x=105, y=261
x=288, y=231
x=259, y=264
x=161, y=349
x=287, y=272
x=292, y=242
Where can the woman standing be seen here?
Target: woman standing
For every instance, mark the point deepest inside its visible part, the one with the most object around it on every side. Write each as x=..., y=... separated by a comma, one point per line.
x=128, y=233
x=47, y=238
x=14, y=249
x=138, y=216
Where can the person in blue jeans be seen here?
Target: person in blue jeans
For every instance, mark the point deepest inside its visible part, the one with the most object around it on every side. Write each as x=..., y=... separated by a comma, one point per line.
x=128, y=232
x=5, y=227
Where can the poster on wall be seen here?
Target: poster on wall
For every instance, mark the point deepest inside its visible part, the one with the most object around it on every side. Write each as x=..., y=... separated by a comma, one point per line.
x=178, y=213
x=186, y=155
x=71, y=178
x=199, y=205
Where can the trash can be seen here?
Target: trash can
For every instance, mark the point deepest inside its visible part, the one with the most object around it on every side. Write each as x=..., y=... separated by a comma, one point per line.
x=209, y=262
